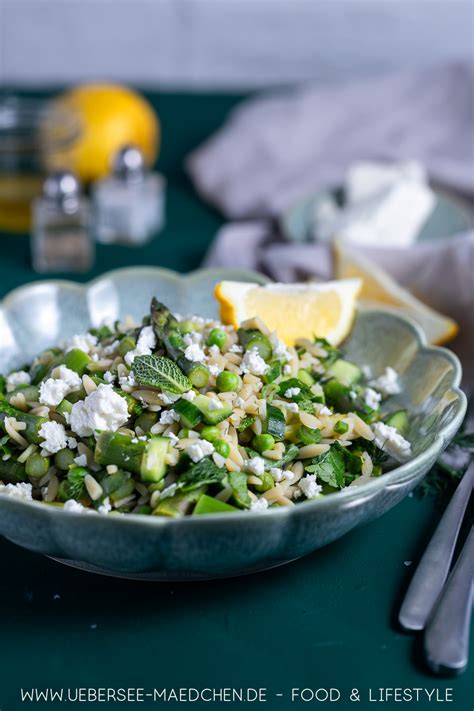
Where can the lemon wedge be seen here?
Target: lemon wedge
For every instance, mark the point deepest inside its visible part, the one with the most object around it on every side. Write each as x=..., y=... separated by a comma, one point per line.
x=325, y=310
x=380, y=290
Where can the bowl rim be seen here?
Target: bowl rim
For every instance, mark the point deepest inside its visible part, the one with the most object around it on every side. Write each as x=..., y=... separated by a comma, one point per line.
x=397, y=476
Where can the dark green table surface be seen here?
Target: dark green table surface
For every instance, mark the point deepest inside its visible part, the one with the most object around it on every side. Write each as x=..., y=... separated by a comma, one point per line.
x=327, y=620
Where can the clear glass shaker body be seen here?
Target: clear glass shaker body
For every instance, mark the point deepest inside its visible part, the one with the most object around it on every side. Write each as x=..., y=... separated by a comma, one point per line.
x=129, y=205
x=61, y=239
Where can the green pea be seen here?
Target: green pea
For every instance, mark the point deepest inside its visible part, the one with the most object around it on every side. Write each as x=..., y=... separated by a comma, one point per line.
x=210, y=432
x=63, y=459
x=222, y=447
x=37, y=466
x=227, y=382
x=146, y=421
x=267, y=482
x=187, y=326
x=341, y=427
x=175, y=339
x=216, y=338
x=263, y=442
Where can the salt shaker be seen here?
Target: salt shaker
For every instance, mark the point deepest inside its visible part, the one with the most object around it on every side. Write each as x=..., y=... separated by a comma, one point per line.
x=61, y=238
x=129, y=204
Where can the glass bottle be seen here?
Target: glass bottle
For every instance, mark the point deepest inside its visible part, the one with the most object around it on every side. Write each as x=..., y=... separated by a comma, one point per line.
x=129, y=204
x=61, y=236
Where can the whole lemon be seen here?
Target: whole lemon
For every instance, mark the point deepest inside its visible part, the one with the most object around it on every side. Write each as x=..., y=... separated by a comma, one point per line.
x=110, y=116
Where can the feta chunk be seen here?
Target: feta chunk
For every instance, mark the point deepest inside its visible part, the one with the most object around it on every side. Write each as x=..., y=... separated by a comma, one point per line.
x=391, y=441
x=103, y=409
x=195, y=353
x=292, y=406
x=109, y=377
x=387, y=383
x=259, y=505
x=309, y=487
x=54, y=437
x=20, y=377
x=168, y=398
x=324, y=410
x=253, y=363
x=54, y=389
x=276, y=473
x=280, y=351
x=215, y=404
x=255, y=465
x=73, y=506
x=19, y=491
x=81, y=460
x=372, y=398
x=84, y=341
x=145, y=344
x=291, y=392
x=199, y=449
x=189, y=395
x=168, y=417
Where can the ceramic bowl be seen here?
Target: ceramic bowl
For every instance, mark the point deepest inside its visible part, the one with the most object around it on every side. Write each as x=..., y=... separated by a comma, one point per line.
x=38, y=315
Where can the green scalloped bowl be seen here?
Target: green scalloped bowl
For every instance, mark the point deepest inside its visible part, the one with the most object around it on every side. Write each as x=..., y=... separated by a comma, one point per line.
x=38, y=315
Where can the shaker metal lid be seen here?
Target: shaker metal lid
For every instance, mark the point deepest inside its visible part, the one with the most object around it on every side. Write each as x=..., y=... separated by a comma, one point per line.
x=63, y=188
x=129, y=164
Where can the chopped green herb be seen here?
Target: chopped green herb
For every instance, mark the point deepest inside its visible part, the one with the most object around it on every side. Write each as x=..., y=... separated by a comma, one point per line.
x=160, y=372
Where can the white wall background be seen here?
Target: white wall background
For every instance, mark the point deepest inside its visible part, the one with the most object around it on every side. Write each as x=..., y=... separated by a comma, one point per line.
x=221, y=44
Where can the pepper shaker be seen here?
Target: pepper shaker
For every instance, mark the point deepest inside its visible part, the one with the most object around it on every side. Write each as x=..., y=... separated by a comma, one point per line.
x=61, y=237
x=129, y=203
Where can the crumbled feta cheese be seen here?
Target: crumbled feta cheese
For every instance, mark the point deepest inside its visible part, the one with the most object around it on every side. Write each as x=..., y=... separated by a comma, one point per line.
x=127, y=382
x=72, y=442
x=391, y=441
x=103, y=409
x=81, y=460
x=255, y=465
x=253, y=363
x=19, y=491
x=54, y=436
x=73, y=506
x=291, y=392
x=323, y=410
x=190, y=395
x=236, y=349
x=214, y=351
x=199, y=449
x=167, y=417
x=109, y=377
x=372, y=398
x=105, y=507
x=145, y=344
x=276, y=473
x=194, y=353
x=215, y=404
x=292, y=406
x=286, y=369
x=193, y=337
x=280, y=351
x=309, y=487
x=289, y=475
x=171, y=435
x=259, y=505
x=84, y=341
x=21, y=377
x=387, y=383
x=214, y=369
x=54, y=389
x=168, y=398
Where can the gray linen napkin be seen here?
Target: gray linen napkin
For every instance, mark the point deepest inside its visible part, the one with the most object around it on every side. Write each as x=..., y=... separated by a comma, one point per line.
x=440, y=273
x=275, y=150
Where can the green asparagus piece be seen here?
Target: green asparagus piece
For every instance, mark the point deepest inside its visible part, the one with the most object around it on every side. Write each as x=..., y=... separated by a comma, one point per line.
x=166, y=329
x=178, y=505
x=33, y=422
x=145, y=458
x=11, y=471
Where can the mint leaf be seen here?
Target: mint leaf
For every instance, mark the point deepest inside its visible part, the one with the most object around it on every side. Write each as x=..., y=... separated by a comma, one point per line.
x=329, y=467
x=204, y=472
x=160, y=372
